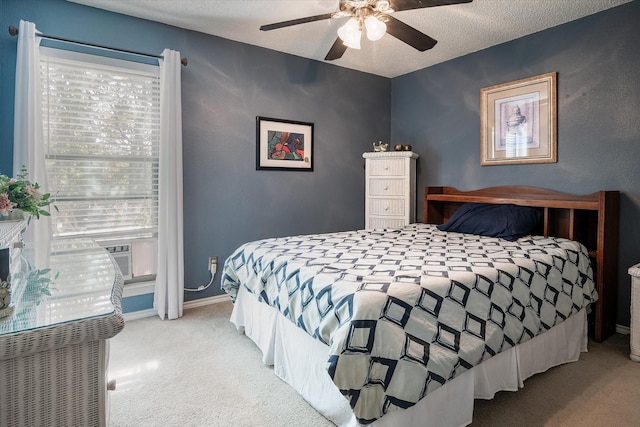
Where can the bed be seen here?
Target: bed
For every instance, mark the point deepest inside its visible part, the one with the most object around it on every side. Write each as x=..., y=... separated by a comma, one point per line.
x=407, y=326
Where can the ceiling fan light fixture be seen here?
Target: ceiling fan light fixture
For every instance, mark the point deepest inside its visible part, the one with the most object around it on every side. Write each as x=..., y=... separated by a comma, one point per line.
x=350, y=33
x=383, y=6
x=375, y=28
x=374, y=17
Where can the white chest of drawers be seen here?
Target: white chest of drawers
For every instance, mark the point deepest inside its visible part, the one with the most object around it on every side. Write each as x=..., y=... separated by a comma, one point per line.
x=390, y=189
x=635, y=312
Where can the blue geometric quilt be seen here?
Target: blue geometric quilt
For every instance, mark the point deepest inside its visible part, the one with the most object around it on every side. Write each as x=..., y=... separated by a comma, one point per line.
x=405, y=310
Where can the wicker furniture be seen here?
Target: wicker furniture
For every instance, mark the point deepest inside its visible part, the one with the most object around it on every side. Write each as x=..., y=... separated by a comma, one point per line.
x=390, y=185
x=53, y=348
x=635, y=312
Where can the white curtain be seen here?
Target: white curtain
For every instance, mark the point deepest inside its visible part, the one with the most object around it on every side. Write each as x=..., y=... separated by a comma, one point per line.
x=169, y=291
x=28, y=146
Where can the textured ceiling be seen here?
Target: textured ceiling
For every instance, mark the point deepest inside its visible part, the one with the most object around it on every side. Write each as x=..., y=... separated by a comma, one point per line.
x=459, y=29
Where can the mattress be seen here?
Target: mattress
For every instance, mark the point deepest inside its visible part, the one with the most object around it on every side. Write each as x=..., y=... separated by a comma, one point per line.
x=405, y=311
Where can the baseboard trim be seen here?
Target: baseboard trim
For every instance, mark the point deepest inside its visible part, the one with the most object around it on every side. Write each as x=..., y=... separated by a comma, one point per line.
x=624, y=330
x=140, y=314
x=206, y=301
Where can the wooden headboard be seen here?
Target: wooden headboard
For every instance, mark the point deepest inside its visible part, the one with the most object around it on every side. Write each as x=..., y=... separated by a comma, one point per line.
x=591, y=219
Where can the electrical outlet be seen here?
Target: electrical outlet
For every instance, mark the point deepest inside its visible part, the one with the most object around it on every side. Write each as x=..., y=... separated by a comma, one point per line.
x=213, y=265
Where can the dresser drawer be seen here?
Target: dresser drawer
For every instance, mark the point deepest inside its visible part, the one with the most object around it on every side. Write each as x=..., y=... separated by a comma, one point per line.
x=391, y=207
x=382, y=222
x=386, y=187
x=387, y=167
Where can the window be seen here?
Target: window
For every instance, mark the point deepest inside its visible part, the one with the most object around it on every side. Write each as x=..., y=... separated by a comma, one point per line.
x=101, y=133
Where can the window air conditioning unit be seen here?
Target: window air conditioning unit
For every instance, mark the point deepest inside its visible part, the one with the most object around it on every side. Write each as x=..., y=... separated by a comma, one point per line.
x=135, y=258
x=122, y=256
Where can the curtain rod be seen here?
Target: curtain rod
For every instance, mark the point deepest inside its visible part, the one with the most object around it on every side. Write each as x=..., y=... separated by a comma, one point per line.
x=14, y=32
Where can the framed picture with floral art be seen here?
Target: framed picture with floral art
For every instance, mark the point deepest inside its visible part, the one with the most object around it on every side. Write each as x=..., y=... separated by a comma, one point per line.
x=284, y=144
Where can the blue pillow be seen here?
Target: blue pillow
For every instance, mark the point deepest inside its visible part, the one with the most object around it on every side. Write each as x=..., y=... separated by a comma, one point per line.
x=509, y=222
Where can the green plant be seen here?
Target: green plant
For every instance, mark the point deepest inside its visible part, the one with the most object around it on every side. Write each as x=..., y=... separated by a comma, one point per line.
x=20, y=193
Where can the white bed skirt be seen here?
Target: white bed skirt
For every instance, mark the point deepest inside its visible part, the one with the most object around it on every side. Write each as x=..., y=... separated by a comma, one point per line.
x=300, y=361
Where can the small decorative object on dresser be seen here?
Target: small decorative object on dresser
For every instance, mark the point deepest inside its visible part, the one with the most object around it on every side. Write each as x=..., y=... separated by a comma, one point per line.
x=380, y=146
x=635, y=312
x=19, y=196
x=6, y=307
x=10, y=247
x=390, y=198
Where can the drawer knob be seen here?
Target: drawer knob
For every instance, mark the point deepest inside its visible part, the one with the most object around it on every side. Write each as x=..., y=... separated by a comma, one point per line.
x=111, y=385
x=386, y=208
x=386, y=187
x=386, y=167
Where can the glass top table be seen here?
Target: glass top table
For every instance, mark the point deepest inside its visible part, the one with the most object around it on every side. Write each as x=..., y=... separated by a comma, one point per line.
x=54, y=340
x=80, y=282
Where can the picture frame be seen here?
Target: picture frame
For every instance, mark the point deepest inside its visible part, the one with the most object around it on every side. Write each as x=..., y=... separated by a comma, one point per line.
x=284, y=144
x=518, y=121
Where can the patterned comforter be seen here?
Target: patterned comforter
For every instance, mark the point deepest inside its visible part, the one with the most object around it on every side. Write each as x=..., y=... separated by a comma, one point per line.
x=405, y=310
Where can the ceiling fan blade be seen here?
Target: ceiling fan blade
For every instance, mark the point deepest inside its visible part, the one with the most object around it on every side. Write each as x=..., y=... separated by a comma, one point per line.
x=336, y=51
x=296, y=22
x=409, y=35
x=400, y=5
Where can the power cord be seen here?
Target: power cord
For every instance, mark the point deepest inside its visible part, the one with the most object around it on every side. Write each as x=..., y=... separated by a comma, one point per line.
x=213, y=267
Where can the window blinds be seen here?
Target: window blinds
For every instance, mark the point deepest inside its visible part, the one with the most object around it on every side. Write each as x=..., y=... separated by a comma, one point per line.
x=101, y=132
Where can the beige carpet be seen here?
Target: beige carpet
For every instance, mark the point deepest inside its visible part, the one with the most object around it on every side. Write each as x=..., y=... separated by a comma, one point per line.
x=199, y=371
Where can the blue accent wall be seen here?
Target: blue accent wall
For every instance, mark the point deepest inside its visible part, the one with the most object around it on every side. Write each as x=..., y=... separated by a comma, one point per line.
x=137, y=303
x=597, y=58
x=227, y=84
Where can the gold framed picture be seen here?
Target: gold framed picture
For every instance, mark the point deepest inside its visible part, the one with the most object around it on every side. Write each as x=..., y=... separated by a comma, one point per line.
x=518, y=121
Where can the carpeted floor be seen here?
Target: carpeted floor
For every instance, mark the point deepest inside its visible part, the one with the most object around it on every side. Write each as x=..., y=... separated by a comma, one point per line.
x=199, y=371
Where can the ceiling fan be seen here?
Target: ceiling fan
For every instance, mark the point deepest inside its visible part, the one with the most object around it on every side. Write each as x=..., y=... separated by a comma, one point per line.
x=375, y=17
